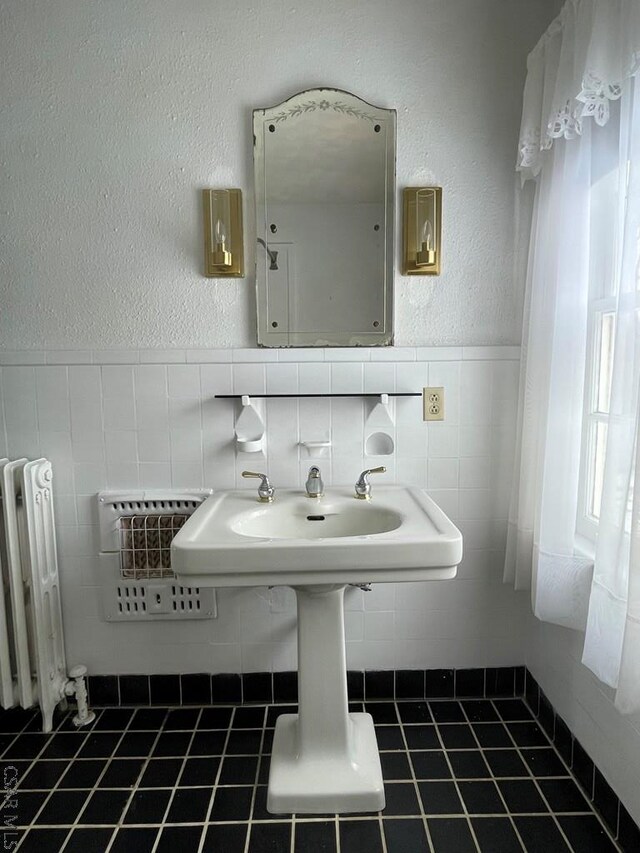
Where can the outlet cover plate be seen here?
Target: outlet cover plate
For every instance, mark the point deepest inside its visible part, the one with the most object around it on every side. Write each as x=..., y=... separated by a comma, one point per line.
x=433, y=404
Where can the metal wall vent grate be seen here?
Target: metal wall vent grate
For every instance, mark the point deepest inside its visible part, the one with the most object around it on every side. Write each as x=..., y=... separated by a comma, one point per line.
x=131, y=600
x=113, y=507
x=131, y=508
x=186, y=599
x=145, y=545
x=139, y=601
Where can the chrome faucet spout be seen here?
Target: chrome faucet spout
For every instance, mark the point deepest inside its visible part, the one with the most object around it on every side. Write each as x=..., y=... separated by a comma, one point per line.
x=314, y=484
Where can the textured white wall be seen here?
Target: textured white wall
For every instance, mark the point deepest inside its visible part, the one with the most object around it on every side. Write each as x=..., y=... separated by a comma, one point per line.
x=114, y=114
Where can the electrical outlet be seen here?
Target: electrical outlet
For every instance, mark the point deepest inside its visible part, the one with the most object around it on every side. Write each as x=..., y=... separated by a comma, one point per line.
x=433, y=404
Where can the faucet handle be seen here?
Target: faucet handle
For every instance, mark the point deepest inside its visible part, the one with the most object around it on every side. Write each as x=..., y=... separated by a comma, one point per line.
x=363, y=486
x=265, y=489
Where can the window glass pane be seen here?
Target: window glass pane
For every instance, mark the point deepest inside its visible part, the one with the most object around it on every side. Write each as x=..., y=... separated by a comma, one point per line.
x=603, y=236
x=604, y=195
x=629, y=507
x=597, y=479
x=605, y=362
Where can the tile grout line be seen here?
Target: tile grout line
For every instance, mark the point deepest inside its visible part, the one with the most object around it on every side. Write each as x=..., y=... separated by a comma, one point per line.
x=493, y=778
x=28, y=770
x=570, y=774
x=123, y=814
x=590, y=800
x=383, y=838
x=101, y=775
x=538, y=788
x=16, y=735
x=54, y=789
x=455, y=781
x=214, y=788
x=254, y=792
x=415, y=781
x=180, y=772
x=51, y=791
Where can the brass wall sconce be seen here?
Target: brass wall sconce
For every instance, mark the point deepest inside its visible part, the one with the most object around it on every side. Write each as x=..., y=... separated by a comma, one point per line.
x=422, y=231
x=223, y=240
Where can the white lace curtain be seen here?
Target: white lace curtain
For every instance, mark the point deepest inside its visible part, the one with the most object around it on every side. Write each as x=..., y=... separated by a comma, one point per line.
x=581, y=119
x=577, y=68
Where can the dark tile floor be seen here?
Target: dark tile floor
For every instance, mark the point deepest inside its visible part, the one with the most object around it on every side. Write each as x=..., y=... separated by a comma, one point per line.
x=470, y=775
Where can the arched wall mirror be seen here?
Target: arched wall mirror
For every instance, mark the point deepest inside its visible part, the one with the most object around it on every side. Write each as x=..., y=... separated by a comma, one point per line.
x=325, y=189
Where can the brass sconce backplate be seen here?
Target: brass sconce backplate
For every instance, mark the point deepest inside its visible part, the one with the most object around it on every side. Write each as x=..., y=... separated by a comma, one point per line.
x=223, y=259
x=419, y=259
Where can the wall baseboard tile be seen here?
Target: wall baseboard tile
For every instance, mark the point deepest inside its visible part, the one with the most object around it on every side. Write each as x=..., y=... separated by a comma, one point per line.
x=267, y=687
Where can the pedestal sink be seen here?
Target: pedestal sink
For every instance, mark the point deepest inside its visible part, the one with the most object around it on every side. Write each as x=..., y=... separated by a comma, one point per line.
x=324, y=759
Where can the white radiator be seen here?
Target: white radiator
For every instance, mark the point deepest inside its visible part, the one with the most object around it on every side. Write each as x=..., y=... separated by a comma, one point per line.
x=32, y=660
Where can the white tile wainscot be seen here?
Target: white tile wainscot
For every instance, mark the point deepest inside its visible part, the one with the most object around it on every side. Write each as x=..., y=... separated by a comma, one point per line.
x=149, y=419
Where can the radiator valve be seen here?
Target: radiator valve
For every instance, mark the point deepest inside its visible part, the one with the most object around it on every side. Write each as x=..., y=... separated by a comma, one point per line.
x=78, y=688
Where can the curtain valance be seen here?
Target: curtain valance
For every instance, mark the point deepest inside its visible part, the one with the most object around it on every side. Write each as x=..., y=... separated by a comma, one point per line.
x=577, y=68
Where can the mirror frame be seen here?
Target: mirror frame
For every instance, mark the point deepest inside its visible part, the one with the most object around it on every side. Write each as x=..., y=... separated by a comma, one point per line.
x=303, y=102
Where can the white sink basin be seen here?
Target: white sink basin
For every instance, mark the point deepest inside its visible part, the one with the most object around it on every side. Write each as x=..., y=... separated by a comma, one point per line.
x=233, y=540
x=330, y=519
x=324, y=759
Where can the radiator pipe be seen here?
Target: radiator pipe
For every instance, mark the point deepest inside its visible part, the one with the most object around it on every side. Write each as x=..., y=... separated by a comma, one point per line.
x=78, y=688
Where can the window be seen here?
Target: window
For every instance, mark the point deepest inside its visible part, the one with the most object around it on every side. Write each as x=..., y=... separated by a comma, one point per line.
x=601, y=331
x=596, y=416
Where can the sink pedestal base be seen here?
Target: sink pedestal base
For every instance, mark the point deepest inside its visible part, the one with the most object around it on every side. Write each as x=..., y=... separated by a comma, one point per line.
x=324, y=759
x=322, y=783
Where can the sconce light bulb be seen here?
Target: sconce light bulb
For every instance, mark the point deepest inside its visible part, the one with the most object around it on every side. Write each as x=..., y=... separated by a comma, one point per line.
x=221, y=255
x=427, y=236
x=221, y=234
